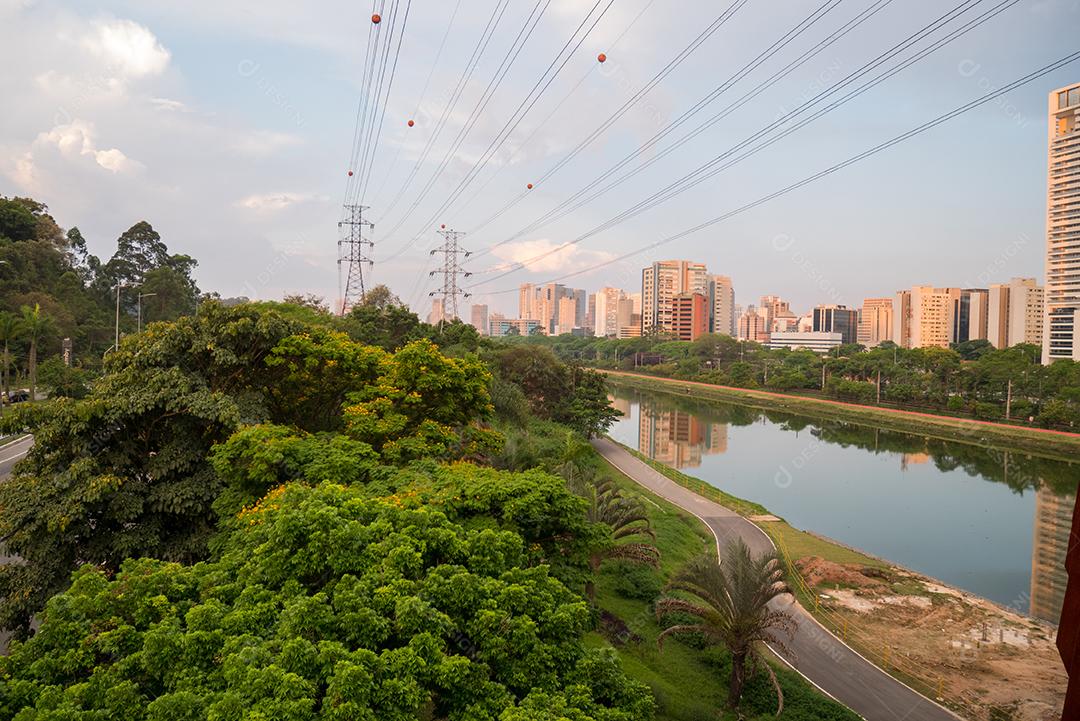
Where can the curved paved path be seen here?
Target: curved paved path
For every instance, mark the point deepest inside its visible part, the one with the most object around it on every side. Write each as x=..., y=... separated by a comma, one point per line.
x=821, y=657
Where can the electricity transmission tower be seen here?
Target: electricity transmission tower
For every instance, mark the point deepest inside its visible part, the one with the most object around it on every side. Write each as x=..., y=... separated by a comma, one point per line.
x=354, y=250
x=450, y=271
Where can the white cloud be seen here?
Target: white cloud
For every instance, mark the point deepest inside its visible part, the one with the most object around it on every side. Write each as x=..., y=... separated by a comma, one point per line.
x=568, y=258
x=264, y=142
x=277, y=201
x=130, y=50
x=169, y=105
x=73, y=141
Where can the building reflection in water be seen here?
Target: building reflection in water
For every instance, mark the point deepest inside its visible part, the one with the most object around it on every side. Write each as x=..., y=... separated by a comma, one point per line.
x=677, y=438
x=1053, y=520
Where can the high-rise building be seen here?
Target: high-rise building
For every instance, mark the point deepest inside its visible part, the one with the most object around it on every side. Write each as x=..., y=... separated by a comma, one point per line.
x=937, y=317
x=479, y=319
x=970, y=316
x=590, y=314
x=773, y=307
x=581, y=306
x=689, y=316
x=661, y=282
x=1061, y=322
x=837, y=319
x=527, y=302
x=875, y=321
x=438, y=312
x=752, y=325
x=606, y=314
x=566, y=315
x=1015, y=313
x=721, y=305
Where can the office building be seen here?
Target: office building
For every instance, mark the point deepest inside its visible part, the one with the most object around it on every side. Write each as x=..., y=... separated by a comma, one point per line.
x=875, y=322
x=438, y=312
x=926, y=317
x=499, y=326
x=1015, y=313
x=689, y=316
x=527, y=302
x=752, y=325
x=774, y=307
x=661, y=282
x=1061, y=321
x=606, y=302
x=565, y=319
x=837, y=319
x=722, y=316
x=479, y=318
x=817, y=341
x=970, y=317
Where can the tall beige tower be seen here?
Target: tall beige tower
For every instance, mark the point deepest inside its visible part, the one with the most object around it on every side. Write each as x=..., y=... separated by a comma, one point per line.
x=1061, y=324
x=1015, y=313
x=876, y=321
x=661, y=282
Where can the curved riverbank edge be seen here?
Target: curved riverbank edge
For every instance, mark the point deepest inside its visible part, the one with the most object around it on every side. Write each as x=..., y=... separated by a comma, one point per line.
x=819, y=654
x=1055, y=445
x=876, y=645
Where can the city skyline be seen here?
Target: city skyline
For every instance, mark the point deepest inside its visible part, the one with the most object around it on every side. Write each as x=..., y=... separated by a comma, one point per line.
x=241, y=103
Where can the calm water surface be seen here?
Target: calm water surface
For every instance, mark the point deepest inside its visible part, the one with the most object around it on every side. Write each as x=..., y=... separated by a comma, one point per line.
x=989, y=521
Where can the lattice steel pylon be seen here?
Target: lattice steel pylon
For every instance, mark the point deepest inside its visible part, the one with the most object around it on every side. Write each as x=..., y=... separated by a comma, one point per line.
x=451, y=269
x=352, y=256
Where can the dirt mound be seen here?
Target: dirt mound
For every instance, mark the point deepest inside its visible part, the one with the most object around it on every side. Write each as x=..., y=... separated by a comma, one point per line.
x=819, y=572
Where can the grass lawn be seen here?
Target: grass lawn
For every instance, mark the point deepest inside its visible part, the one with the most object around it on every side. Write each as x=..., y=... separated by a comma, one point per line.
x=689, y=684
x=801, y=544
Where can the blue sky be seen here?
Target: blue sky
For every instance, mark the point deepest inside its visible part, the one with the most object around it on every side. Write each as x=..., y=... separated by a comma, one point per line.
x=228, y=126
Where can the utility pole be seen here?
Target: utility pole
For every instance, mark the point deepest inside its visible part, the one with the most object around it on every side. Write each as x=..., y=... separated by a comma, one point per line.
x=1008, y=401
x=823, y=364
x=452, y=254
x=141, y=296
x=116, y=338
x=355, y=249
x=879, y=386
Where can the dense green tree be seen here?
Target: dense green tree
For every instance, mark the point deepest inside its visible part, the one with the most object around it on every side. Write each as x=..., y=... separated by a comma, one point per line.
x=324, y=604
x=730, y=607
x=383, y=320
x=11, y=329
x=125, y=471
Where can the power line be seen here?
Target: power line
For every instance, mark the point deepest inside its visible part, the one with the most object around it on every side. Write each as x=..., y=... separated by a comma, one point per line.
x=558, y=106
x=573, y=203
x=423, y=94
x=455, y=96
x=508, y=60
x=709, y=169
x=1045, y=70
x=526, y=105
x=790, y=35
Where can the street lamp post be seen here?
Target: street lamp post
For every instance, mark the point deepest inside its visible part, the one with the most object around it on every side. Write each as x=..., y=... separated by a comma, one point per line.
x=141, y=296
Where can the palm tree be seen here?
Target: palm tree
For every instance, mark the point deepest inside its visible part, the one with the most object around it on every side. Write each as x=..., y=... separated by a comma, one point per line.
x=731, y=606
x=36, y=325
x=10, y=329
x=626, y=517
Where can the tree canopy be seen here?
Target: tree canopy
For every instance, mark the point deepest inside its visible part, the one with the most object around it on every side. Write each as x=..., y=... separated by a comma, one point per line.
x=324, y=604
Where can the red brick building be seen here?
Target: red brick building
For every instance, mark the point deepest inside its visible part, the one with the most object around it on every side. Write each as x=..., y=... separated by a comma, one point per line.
x=689, y=315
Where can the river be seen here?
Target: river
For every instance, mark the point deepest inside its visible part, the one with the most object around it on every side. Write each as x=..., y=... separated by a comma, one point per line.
x=989, y=521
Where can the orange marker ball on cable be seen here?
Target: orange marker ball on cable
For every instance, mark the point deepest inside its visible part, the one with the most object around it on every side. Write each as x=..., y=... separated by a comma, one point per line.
x=376, y=18
x=529, y=186
x=601, y=57
x=411, y=123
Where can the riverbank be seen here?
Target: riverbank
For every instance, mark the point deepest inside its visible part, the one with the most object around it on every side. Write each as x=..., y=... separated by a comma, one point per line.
x=984, y=660
x=1057, y=445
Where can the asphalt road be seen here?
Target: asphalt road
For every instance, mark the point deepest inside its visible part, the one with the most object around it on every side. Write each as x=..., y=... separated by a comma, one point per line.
x=819, y=656
x=10, y=454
